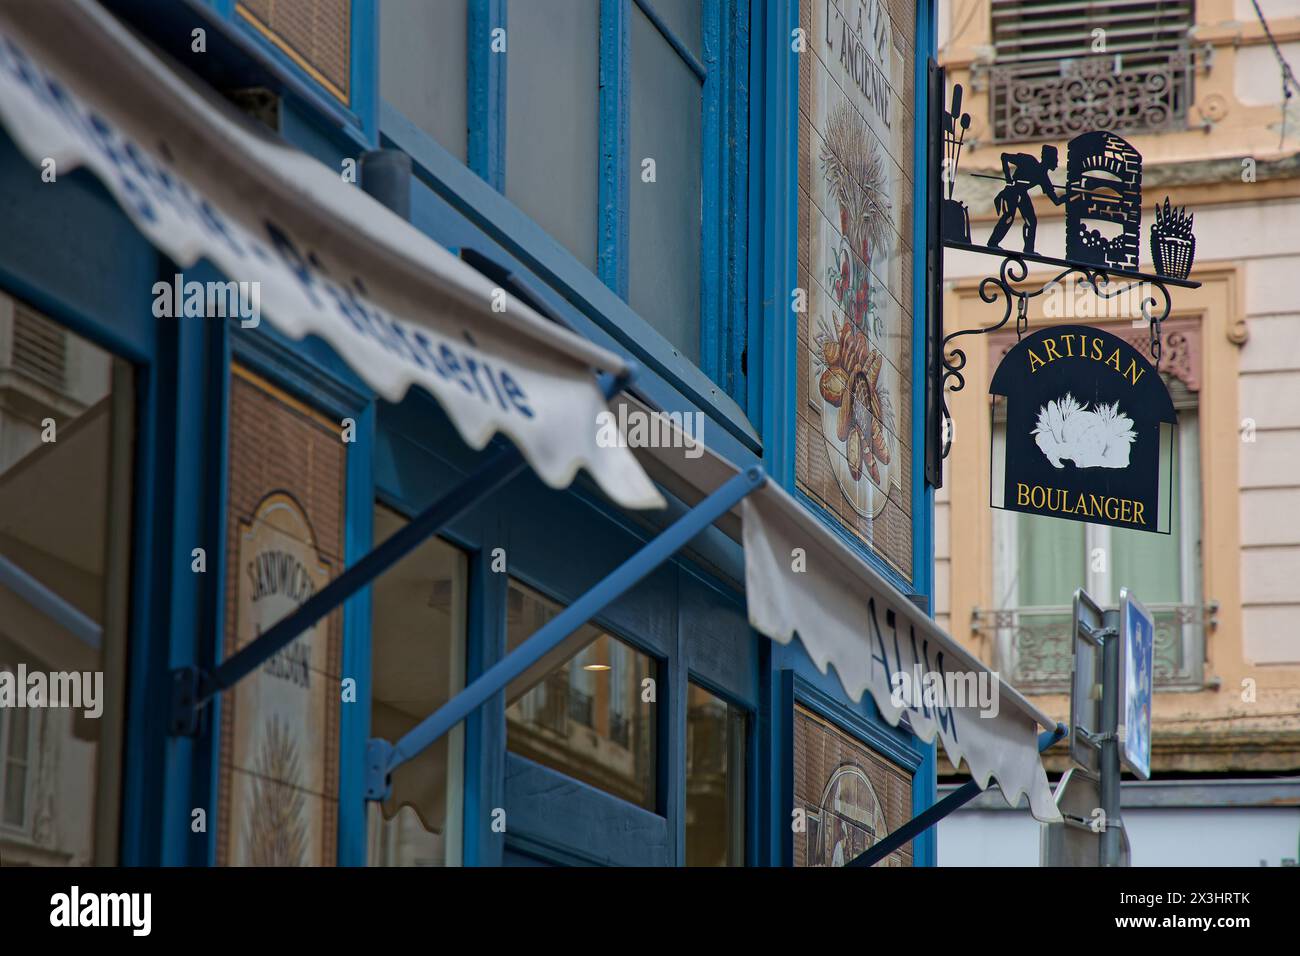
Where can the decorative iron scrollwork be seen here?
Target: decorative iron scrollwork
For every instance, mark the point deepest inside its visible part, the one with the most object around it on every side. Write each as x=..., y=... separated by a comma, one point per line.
x=1089, y=93
x=1014, y=269
x=1032, y=644
x=1102, y=196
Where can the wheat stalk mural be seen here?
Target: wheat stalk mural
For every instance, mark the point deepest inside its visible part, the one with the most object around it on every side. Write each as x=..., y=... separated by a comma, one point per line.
x=275, y=832
x=856, y=175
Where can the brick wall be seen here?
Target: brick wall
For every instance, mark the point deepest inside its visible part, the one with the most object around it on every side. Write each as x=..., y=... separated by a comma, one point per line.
x=287, y=467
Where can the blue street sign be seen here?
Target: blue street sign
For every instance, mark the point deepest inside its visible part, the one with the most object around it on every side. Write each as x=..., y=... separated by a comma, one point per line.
x=1138, y=632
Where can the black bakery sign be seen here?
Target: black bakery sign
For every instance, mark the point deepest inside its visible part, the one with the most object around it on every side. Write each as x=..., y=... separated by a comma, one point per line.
x=1089, y=431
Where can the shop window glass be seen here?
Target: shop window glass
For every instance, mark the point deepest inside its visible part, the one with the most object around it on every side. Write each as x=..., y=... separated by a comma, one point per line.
x=552, y=141
x=684, y=18
x=66, y=440
x=715, y=781
x=423, y=67
x=417, y=662
x=665, y=215
x=582, y=710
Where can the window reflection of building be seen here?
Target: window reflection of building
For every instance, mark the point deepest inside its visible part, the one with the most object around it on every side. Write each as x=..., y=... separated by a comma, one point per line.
x=65, y=502
x=715, y=781
x=16, y=747
x=417, y=662
x=584, y=710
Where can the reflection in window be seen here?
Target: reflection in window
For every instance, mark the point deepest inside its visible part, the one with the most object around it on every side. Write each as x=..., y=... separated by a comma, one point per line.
x=66, y=422
x=581, y=710
x=552, y=140
x=715, y=781
x=417, y=661
x=15, y=757
x=665, y=215
x=423, y=67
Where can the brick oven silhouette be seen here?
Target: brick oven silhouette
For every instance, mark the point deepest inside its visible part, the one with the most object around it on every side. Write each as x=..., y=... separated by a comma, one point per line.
x=1103, y=205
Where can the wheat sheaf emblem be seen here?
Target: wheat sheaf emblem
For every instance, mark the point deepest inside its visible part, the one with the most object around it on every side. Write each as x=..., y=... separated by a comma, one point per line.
x=1100, y=437
x=275, y=833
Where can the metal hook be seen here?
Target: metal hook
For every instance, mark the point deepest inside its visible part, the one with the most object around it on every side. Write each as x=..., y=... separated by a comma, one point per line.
x=1022, y=318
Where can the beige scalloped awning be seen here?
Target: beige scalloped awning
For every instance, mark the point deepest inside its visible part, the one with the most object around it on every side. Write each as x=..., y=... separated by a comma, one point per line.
x=204, y=183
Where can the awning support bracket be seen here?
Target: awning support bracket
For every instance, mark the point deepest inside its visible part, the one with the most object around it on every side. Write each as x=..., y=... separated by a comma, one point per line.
x=382, y=757
x=930, y=816
x=194, y=687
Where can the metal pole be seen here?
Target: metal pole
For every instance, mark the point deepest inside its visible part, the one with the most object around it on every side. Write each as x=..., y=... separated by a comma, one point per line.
x=383, y=758
x=935, y=812
x=62, y=612
x=914, y=827
x=504, y=464
x=192, y=688
x=1110, y=773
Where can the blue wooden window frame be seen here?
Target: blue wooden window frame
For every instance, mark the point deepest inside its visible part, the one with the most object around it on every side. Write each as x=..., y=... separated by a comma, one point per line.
x=74, y=255
x=793, y=679
x=719, y=385
x=359, y=116
x=752, y=824
x=690, y=624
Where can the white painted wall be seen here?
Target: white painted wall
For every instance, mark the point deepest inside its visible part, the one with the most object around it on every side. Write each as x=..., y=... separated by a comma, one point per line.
x=1157, y=837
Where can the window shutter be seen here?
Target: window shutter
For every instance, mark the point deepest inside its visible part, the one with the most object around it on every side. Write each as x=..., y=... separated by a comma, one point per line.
x=1050, y=79
x=40, y=349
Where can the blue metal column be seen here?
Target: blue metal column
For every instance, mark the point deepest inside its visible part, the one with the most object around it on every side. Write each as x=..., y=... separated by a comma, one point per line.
x=382, y=758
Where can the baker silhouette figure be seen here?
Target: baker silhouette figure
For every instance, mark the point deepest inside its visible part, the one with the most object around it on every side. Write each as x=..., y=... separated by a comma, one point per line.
x=1023, y=173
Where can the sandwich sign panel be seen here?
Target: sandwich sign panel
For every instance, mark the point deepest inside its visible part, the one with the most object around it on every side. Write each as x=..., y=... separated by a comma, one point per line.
x=1089, y=431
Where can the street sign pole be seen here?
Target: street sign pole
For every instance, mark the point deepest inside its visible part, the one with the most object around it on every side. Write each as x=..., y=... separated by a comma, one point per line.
x=1091, y=832
x=1111, y=848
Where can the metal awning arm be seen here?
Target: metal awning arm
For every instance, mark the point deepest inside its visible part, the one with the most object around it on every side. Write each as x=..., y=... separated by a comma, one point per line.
x=931, y=815
x=382, y=757
x=194, y=687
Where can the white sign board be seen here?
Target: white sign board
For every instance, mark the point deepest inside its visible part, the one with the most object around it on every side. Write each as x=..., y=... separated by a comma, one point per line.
x=1085, y=683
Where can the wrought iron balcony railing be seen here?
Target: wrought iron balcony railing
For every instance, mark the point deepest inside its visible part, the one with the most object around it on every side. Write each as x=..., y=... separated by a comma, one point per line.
x=1033, y=649
x=1056, y=100
x=580, y=707
x=547, y=704
x=620, y=729
x=707, y=749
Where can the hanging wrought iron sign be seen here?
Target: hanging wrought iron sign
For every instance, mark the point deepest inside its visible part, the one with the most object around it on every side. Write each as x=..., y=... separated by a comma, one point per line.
x=1089, y=431
x=1102, y=196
